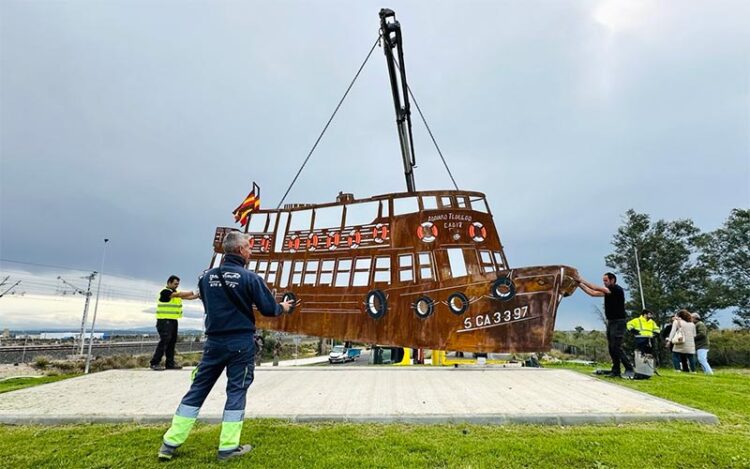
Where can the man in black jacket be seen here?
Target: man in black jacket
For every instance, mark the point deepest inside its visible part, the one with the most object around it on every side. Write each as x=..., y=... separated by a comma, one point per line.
x=614, y=311
x=228, y=293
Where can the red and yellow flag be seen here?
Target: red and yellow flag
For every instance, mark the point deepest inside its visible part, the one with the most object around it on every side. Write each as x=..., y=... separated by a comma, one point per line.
x=251, y=203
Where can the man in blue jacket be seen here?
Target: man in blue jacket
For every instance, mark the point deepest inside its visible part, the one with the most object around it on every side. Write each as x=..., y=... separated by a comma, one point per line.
x=228, y=293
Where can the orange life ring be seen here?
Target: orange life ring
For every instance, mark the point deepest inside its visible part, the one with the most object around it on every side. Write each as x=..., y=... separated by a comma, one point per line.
x=332, y=240
x=427, y=232
x=312, y=242
x=293, y=243
x=477, y=232
x=251, y=242
x=265, y=243
x=354, y=239
x=380, y=233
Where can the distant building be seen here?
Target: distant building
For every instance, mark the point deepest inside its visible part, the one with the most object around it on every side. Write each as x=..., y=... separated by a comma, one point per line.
x=5, y=334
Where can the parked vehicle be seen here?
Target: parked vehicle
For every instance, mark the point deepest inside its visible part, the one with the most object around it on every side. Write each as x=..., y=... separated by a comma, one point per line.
x=341, y=354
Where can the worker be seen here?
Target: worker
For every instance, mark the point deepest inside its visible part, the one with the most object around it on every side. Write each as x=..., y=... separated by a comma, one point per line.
x=228, y=293
x=645, y=329
x=168, y=311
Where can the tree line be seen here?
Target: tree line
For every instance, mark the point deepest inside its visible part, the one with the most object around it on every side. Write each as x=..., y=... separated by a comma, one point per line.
x=683, y=267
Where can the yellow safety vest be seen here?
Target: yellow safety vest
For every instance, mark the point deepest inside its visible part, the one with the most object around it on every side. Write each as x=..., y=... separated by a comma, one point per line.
x=645, y=327
x=171, y=309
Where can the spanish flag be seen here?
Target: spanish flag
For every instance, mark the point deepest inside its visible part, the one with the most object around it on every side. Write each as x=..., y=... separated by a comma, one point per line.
x=251, y=203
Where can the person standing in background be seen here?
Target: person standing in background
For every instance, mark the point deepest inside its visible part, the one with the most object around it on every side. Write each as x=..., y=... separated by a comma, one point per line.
x=702, y=343
x=168, y=312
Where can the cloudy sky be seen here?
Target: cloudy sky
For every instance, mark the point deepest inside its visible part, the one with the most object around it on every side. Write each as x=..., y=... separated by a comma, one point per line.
x=146, y=122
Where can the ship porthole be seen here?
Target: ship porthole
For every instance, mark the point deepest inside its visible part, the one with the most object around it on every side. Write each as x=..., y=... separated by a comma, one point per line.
x=424, y=307
x=458, y=303
x=503, y=289
x=289, y=296
x=376, y=304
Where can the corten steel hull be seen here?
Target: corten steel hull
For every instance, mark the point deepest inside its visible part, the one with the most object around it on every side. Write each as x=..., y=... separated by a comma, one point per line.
x=433, y=277
x=524, y=323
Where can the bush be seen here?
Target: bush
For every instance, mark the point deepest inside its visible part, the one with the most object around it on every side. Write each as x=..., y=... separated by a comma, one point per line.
x=41, y=362
x=729, y=347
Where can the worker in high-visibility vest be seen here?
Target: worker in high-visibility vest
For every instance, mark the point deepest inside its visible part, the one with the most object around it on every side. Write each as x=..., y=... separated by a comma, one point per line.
x=168, y=311
x=645, y=329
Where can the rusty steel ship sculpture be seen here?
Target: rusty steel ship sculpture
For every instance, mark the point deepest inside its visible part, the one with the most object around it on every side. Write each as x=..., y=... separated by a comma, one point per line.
x=418, y=269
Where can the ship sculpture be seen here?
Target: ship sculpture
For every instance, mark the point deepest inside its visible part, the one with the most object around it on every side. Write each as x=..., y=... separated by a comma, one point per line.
x=418, y=269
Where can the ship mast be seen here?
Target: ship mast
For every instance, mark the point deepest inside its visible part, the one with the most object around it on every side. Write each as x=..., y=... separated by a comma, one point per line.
x=390, y=30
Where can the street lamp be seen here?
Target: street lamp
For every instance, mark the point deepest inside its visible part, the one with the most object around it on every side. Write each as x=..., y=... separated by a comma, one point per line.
x=96, y=307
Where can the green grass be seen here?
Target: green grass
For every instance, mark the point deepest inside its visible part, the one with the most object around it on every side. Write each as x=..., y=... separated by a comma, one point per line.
x=13, y=384
x=287, y=445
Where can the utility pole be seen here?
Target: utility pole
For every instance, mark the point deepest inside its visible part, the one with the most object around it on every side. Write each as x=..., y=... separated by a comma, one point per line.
x=87, y=294
x=96, y=308
x=640, y=284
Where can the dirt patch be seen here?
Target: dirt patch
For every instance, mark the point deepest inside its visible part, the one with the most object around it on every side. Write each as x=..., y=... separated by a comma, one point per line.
x=22, y=369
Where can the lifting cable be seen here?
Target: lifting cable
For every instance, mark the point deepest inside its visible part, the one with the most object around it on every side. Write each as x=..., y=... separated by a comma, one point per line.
x=377, y=41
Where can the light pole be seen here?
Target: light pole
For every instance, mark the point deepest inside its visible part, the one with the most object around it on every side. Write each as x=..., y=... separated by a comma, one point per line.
x=96, y=307
x=638, y=269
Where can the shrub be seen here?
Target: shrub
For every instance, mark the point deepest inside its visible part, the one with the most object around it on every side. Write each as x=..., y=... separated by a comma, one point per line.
x=41, y=362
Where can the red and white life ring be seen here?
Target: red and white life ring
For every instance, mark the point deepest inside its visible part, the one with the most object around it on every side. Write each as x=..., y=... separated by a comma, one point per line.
x=293, y=243
x=312, y=242
x=380, y=233
x=354, y=239
x=332, y=240
x=477, y=232
x=427, y=232
x=251, y=242
x=265, y=243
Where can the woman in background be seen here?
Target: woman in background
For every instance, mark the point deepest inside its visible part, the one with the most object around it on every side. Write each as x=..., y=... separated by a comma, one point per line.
x=682, y=339
x=702, y=343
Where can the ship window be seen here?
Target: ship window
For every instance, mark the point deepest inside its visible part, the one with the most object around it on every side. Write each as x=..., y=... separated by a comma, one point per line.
x=479, y=204
x=499, y=260
x=406, y=268
x=261, y=269
x=429, y=203
x=446, y=202
x=384, y=208
x=382, y=270
x=284, y=273
x=301, y=220
x=252, y=265
x=342, y=273
x=272, y=268
x=297, y=273
x=457, y=263
x=485, y=258
x=361, y=271
x=311, y=272
x=328, y=217
x=425, y=266
x=405, y=205
x=361, y=214
x=217, y=260
x=280, y=231
x=271, y=223
x=257, y=222
x=463, y=201
x=326, y=272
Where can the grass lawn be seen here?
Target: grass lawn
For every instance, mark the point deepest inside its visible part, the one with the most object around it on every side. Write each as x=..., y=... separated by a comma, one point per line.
x=12, y=384
x=288, y=445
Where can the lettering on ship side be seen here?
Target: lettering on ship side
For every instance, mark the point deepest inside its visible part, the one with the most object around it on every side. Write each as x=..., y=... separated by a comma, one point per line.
x=498, y=318
x=452, y=220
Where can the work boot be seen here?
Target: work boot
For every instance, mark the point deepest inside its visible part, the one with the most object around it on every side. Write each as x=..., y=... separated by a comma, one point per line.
x=235, y=453
x=157, y=367
x=166, y=452
x=629, y=374
x=174, y=367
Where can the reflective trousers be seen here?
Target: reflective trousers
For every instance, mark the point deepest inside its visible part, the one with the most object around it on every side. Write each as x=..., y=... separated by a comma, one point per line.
x=236, y=354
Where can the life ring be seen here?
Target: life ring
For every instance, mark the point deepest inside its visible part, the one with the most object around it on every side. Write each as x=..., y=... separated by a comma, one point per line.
x=503, y=289
x=354, y=239
x=265, y=243
x=376, y=304
x=424, y=307
x=458, y=303
x=293, y=243
x=477, y=232
x=251, y=242
x=427, y=232
x=290, y=296
x=312, y=242
x=332, y=240
x=380, y=233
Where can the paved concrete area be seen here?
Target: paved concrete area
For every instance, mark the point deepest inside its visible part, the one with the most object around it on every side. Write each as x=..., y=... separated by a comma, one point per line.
x=361, y=394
